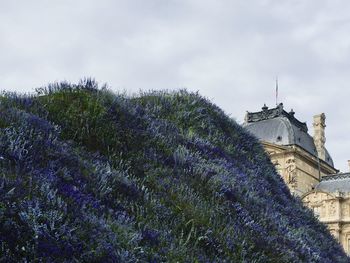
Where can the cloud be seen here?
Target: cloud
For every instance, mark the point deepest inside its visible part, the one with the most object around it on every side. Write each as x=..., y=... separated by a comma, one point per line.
x=230, y=51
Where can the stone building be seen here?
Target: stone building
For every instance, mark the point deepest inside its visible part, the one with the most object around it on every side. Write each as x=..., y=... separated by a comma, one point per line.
x=330, y=201
x=299, y=158
x=305, y=165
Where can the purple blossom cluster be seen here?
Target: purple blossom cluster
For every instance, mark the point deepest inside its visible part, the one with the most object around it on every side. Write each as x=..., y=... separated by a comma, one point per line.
x=87, y=175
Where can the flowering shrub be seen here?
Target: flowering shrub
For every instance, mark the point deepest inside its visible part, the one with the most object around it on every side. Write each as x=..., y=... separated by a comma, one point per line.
x=88, y=175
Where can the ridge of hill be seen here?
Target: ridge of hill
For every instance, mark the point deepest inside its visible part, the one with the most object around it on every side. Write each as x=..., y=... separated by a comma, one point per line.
x=92, y=176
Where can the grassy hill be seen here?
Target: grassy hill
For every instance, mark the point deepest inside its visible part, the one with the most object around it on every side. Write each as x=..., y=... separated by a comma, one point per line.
x=91, y=176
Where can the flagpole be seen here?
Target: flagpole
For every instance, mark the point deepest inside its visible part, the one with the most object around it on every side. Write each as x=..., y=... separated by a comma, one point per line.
x=276, y=90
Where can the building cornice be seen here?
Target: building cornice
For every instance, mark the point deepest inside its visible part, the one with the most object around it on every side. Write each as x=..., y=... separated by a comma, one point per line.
x=296, y=149
x=336, y=177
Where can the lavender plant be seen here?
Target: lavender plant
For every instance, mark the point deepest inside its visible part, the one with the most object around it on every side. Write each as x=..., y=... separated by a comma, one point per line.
x=87, y=175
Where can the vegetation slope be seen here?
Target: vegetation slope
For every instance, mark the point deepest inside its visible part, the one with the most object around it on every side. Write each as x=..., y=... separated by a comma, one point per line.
x=91, y=176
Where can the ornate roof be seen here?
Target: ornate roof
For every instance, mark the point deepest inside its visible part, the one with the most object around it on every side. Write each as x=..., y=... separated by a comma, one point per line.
x=280, y=127
x=334, y=183
x=267, y=114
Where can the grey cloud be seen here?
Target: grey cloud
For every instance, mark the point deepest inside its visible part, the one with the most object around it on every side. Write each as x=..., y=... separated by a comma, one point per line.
x=230, y=51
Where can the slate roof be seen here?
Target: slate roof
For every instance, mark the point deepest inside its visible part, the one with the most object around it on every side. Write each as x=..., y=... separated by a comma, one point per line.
x=282, y=128
x=334, y=183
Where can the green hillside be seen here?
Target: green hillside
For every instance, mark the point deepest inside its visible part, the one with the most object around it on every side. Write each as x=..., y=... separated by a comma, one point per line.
x=87, y=175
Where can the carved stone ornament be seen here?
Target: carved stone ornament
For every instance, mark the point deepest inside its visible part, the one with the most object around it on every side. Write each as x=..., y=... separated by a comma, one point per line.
x=332, y=208
x=291, y=175
x=345, y=209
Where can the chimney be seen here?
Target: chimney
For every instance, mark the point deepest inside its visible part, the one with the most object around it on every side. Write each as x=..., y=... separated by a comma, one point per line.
x=319, y=135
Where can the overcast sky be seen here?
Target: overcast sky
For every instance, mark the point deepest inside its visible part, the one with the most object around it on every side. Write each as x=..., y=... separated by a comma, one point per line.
x=230, y=51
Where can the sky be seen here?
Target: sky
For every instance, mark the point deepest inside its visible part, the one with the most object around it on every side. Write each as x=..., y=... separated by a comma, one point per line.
x=229, y=51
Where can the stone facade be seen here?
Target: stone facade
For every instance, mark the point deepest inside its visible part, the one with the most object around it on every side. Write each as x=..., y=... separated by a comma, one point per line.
x=333, y=209
x=305, y=165
x=298, y=168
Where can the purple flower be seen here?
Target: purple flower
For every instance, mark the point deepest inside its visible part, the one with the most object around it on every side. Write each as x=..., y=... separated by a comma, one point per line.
x=151, y=237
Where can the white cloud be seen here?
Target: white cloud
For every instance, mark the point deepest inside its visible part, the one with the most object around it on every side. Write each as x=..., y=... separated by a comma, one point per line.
x=230, y=51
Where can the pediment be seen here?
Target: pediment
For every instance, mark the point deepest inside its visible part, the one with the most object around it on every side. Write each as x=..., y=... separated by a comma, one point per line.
x=316, y=196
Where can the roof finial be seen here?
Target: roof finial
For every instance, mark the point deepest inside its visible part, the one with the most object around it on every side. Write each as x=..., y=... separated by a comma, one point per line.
x=292, y=112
